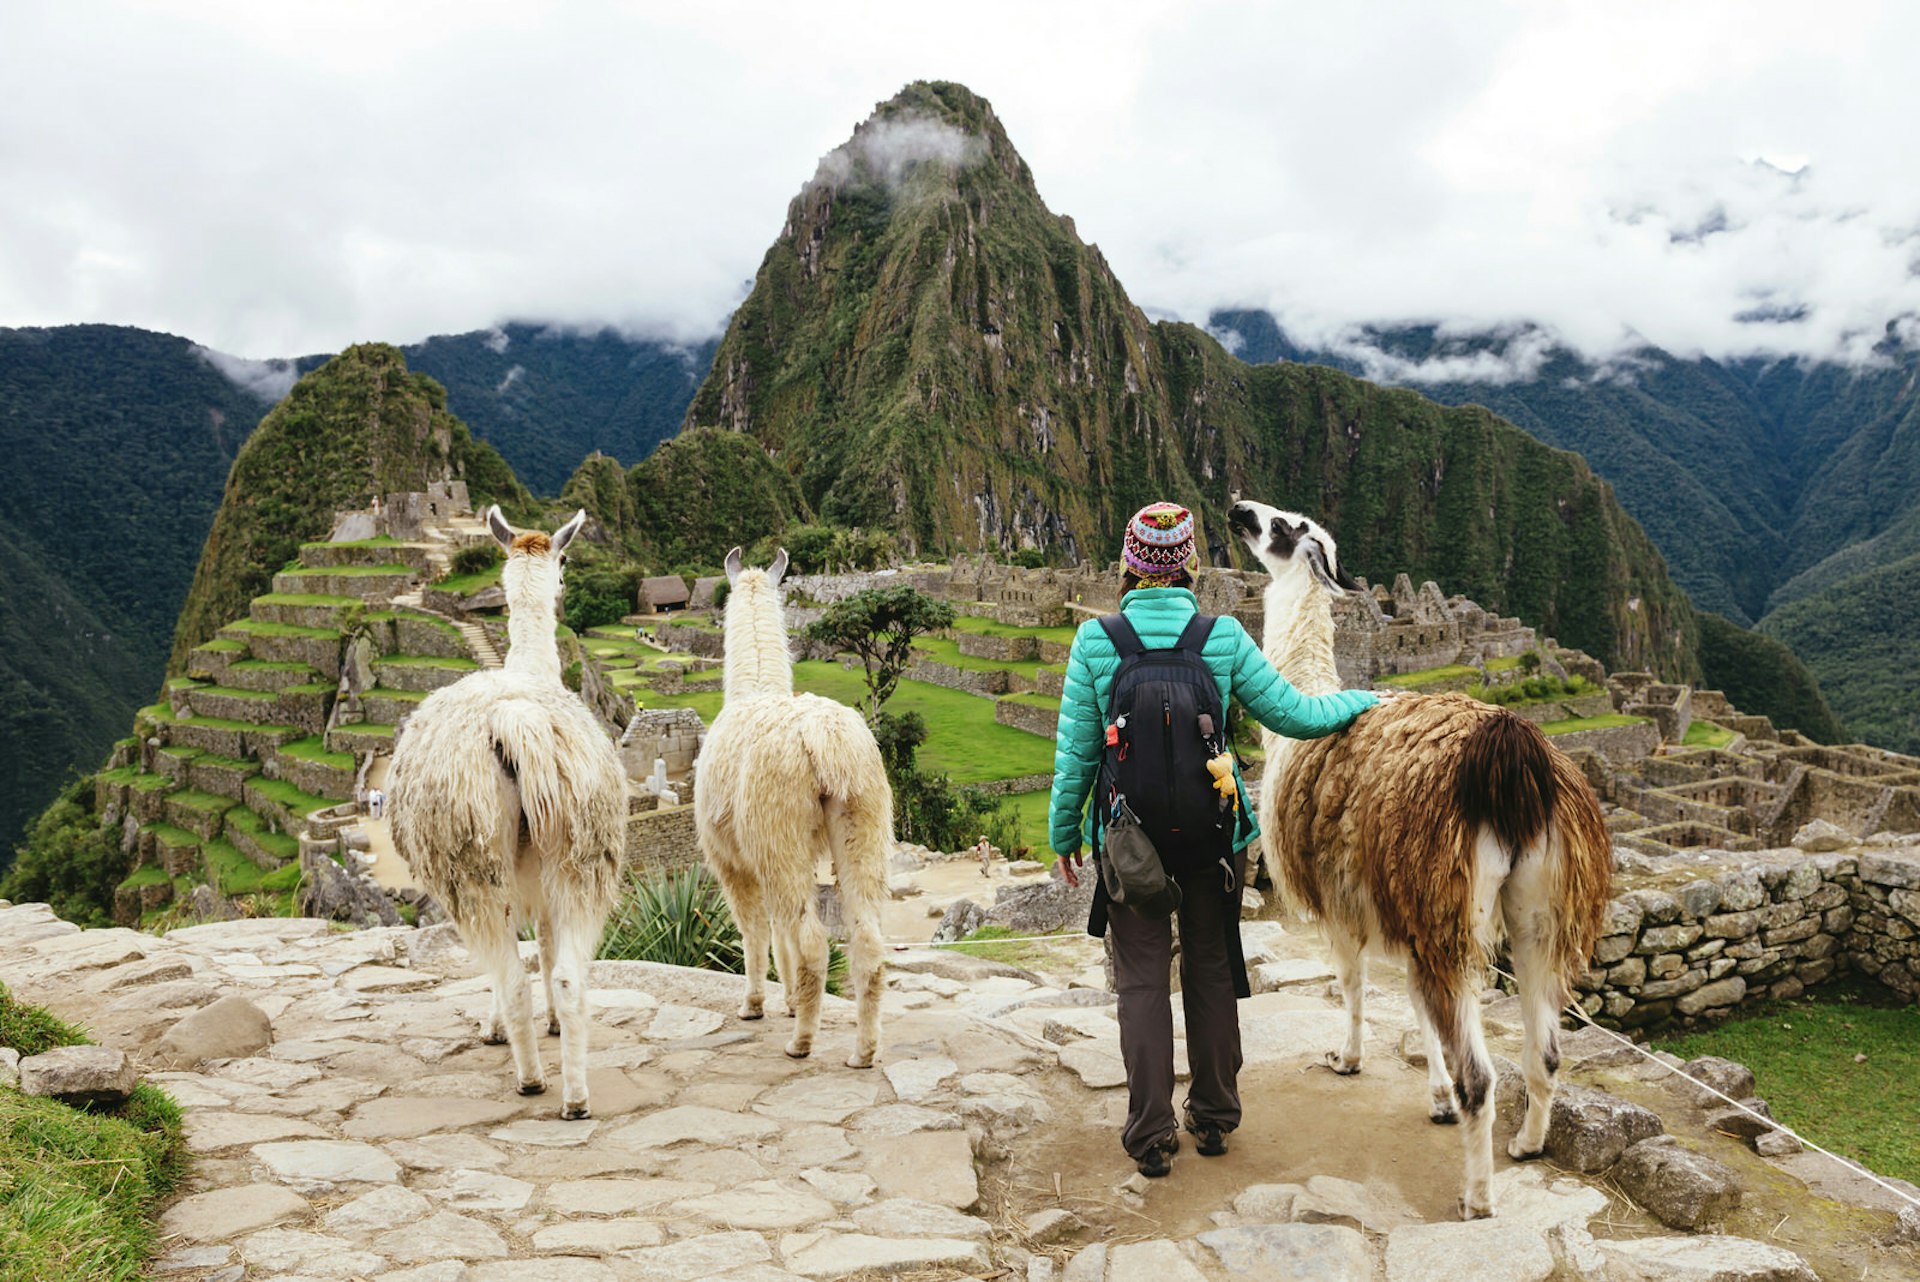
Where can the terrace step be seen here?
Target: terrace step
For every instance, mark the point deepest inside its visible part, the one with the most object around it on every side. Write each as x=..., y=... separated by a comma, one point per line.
x=325, y=556
x=357, y=737
x=387, y=707
x=255, y=838
x=303, y=610
x=420, y=673
x=371, y=583
x=228, y=703
x=267, y=675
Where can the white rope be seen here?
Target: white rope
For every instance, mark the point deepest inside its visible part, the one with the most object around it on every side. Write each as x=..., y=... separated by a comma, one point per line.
x=904, y=945
x=1579, y=1013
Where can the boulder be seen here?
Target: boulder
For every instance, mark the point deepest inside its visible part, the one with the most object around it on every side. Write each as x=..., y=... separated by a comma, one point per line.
x=1735, y=1081
x=230, y=1028
x=1683, y=1189
x=333, y=893
x=1043, y=907
x=1589, y=1129
x=84, y=1075
x=1701, y=1259
x=9, y=1068
x=1485, y=1250
x=962, y=918
x=1741, y=1122
x=1817, y=835
x=1299, y=1252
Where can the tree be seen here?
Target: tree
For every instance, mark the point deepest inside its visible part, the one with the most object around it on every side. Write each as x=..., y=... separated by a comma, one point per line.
x=879, y=625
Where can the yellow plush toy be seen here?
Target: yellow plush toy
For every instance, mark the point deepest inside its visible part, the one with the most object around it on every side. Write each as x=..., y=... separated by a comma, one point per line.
x=1221, y=768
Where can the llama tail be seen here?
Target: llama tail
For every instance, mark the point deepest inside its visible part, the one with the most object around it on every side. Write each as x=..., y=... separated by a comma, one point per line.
x=1506, y=782
x=1582, y=870
x=528, y=749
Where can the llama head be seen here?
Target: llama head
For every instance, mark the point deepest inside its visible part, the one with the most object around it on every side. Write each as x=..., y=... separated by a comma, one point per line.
x=1288, y=543
x=774, y=572
x=536, y=562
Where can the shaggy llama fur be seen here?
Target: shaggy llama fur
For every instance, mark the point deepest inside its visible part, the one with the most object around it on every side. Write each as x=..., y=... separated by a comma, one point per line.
x=786, y=780
x=1430, y=828
x=509, y=805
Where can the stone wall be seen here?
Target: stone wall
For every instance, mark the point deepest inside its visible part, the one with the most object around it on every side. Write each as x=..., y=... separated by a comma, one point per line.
x=662, y=840
x=994, y=681
x=1767, y=927
x=669, y=734
x=1033, y=718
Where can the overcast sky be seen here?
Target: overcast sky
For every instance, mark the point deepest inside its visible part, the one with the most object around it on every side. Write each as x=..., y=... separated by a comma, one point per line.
x=280, y=178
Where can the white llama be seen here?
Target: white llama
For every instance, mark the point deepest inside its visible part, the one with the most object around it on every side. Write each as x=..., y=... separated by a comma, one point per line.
x=786, y=779
x=1429, y=828
x=508, y=802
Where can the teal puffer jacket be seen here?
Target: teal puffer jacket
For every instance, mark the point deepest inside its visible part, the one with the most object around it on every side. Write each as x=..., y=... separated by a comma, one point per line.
x=1159, y=615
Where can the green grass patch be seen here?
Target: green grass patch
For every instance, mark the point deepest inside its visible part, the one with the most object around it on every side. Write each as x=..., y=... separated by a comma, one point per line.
x=231, y=872
x=184, y=683
x=268, y=628
x=281, y=880
x=365, y=727
x=300, y=803
x=79, y=1188
x=222, y=645
x=992, y=943
x=235, y=692
x=1429, y=676
x=168, y=835
x=1704, y=734
x=205, y=802
x=377, y=541
x=461, y=664
x=410, y=696
x=278, y=844
x=1573, y=724
x=948, y=652
x=1029, y=810
x=1802, y=1054
x=265, y=665
x=305, y=598
x=350, y=571
x=145, y=875
x=314, y=748
x=139, y=779
x=994, y=628
x=469, y=584
x=704, y=702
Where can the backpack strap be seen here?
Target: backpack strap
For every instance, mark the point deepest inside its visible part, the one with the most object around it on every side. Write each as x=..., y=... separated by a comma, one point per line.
x=1194, y=636
x=1119, y=630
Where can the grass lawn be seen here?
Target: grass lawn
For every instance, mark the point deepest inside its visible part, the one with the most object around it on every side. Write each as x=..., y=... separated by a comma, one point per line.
x=351, y=571
x=299, y=803
x=1030, y=810
x=314, y=748
x=948, y=652
x=1704, y=734
x=987, y=942
x=145, y=875
x=231, y=872
x=267, y=628
x=458, y=663
x=1429, y=676
x=276, y=843
x=78, y=1188
x=469, y=584
x=168, y=835
x=1802, y=1056
x=994, y=628
x=378, y=541
x=307, y=598
x=235, y=692
x=1574, y=724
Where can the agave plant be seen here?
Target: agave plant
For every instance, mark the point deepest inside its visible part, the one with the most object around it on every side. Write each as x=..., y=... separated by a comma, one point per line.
x=681, y=919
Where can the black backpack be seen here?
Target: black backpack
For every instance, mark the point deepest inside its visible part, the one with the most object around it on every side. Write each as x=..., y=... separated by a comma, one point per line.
x=1164, y=722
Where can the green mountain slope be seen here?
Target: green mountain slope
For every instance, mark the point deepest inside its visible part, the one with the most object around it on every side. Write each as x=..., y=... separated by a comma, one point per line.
x=360, y=425
x=548, y=397
x=928, y=349
x=1858, y=634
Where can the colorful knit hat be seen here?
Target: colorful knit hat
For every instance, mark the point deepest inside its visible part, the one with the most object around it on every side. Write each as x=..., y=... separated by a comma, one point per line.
x=1159, y=546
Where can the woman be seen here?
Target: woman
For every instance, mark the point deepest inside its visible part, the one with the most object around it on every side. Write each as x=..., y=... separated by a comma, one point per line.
x=1156, y=599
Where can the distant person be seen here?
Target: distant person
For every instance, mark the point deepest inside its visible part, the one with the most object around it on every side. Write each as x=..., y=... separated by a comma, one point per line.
x=376, y=802
x=984, y=849
x=1162, y=768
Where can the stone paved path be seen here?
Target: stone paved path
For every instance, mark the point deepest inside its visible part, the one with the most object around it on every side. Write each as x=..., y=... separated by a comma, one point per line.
x=378, y=1139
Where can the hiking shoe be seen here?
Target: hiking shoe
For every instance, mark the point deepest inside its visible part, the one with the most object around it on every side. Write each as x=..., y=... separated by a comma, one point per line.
x=1209, y=1139
x=1158, y=1160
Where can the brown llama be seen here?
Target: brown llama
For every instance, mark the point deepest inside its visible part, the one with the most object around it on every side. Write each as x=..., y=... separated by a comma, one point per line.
x=1429, y=829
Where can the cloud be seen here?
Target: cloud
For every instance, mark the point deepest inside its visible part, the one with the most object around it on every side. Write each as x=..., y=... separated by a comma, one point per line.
x=267, y=379
x=1710, y=178
x=514, y=375
x=883, y=151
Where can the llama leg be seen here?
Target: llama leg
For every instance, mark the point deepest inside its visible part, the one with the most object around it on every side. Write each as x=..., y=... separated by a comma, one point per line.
x=1350, y=969
x=495, y=1031
x=1439, y=1084
x=547, y=961
x=573, y=946
x=513, y=1003
x=789, y=964
x=749, y=906
x=861, y=833
x=1540, y=994
x=807, y=941
x=1472, y=1068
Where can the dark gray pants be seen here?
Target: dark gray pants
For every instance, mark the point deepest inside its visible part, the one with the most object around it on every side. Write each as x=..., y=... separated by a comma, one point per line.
x=1142, y=955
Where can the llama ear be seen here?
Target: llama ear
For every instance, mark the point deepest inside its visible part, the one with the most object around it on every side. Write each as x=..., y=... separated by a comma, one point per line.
x=502, y=532
x=1325, y=569
x=778, y=569
x=564, y=535
x=733, y=565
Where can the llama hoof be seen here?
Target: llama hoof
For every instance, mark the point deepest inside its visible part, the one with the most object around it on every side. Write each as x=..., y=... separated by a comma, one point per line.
x=494, y=1037
x=574, y=1112
x=533, y=1088
x=1442, y=1114
x=1521, y=1153
x=799, y=1050
x=752, y=1012
x=553, y=1028
x=859, y=1061
x=1476, y=1209
x=1340, y=1064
